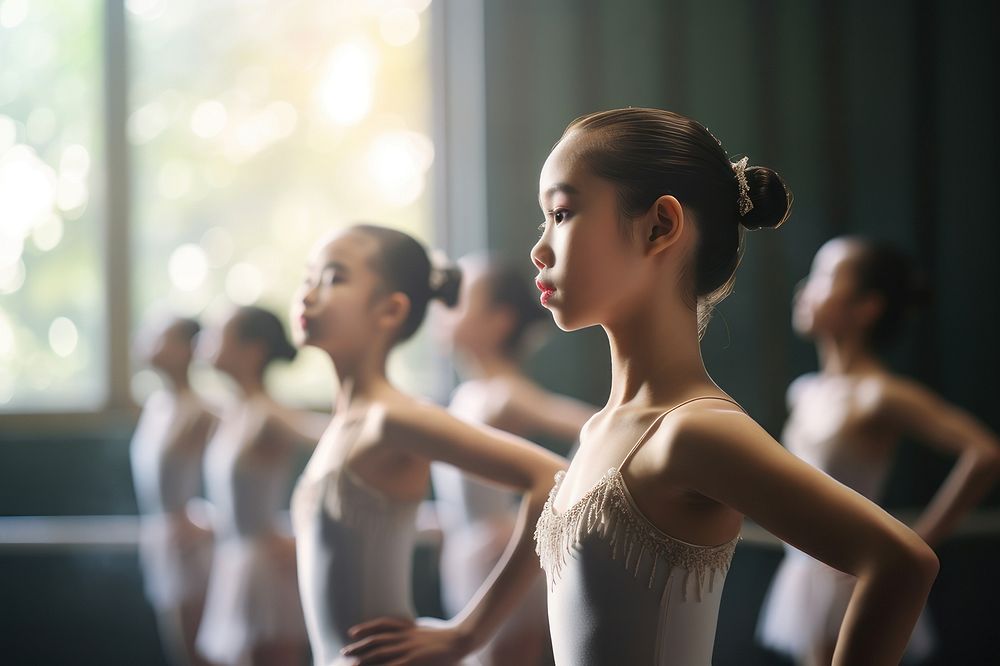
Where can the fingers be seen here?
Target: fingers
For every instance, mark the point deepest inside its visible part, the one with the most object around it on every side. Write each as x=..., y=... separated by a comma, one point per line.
x=367, y=645
x=383, y=655
x=381, y=625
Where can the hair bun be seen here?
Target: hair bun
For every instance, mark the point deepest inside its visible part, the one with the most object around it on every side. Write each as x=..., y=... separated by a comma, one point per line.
x=771, y=198
x=285, y=351
x=445, y=284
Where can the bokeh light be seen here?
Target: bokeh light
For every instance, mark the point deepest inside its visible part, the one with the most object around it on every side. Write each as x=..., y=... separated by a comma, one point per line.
x=346, y=89
x=187, y=267
x=63, y=336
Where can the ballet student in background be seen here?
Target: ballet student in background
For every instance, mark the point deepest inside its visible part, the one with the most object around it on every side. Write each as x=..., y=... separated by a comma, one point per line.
x=848, y=419
x=644, y=216
x=253, y=614
x=496, y=317
x=166, y=452
x=354, y=509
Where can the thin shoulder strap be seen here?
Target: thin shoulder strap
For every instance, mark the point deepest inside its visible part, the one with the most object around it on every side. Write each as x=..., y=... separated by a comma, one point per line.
x=658, y=419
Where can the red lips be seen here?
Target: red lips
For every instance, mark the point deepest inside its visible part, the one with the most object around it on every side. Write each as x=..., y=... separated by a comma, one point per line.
x=547, y=290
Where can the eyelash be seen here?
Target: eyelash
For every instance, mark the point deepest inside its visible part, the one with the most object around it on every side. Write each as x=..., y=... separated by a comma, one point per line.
x=552, y=213
x=327, y=280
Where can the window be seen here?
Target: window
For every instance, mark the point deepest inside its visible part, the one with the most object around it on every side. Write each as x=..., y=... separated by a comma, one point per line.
x=254, y=126
x=52, y=299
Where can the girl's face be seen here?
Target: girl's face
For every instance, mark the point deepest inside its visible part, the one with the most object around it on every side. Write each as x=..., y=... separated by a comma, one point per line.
x=588, y=271
x=826, y=303
x=170, y=350
x=477, y=324
x=224, y=348
x=335, y=307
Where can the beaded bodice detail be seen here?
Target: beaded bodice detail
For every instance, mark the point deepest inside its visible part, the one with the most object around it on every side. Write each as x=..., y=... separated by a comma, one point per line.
x=608, y=511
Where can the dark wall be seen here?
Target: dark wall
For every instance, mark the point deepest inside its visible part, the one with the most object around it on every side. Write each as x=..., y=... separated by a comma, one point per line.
x=881, y=116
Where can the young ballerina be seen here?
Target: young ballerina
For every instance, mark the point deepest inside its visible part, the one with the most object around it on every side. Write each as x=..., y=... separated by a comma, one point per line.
x=644, y=218
x=491, y=327
x=253, y=614
x=166, y=454
x=847, y=421
x=354, y=508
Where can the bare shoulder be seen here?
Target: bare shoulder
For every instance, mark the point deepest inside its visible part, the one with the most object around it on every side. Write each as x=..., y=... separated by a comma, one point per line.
x=897, y=388
x=901, y=399
x=699, y=434
x=408, y=417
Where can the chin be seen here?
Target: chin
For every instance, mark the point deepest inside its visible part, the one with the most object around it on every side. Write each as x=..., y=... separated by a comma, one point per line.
x=806, y=331
x=567, y=322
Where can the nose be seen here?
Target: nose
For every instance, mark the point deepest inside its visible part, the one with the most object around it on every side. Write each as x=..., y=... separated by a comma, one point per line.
x=308, y=296
x=541, y=253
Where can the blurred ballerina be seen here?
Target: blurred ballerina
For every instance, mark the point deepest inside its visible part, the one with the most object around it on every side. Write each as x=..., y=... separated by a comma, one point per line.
x=491, y=329
x=253, y=614
x=847, y=421
x=166, y=454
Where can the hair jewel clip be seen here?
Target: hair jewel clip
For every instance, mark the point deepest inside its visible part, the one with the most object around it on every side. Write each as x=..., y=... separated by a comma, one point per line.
x=438, y=274
x=744, y=202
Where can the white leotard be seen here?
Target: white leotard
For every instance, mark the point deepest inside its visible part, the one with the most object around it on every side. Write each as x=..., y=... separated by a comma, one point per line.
x=354, y=544
x=253, y=591
x=620, y=590
x=807, y=600
x=166, y=456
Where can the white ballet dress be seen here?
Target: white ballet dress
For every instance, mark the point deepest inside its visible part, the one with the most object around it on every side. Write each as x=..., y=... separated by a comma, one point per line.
x=354, y=544
x=621, y=591
x=166, y=457
x=807, y=600
x=253, y=594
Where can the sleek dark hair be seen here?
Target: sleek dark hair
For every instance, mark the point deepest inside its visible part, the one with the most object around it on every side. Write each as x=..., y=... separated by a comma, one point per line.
x=186, y=327
x=509, y=288
x=884, y=270
x=404, y=265
x=259, y=325
x=648, y=153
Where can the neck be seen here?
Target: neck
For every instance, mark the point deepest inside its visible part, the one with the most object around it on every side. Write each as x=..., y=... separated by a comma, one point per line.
x=656, y=358
x=250, y=384
x=360, y=378
x=177, y=381
x=844, y=356
x=488, y=365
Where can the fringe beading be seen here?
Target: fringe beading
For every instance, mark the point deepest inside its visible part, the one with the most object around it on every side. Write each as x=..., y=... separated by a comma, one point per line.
x=608, y=512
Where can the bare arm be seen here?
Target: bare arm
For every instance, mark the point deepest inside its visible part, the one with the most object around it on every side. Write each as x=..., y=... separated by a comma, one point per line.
x=493, y=455
x=725, y=456
x=549, y=414
x=300, y=426
x=918, y=412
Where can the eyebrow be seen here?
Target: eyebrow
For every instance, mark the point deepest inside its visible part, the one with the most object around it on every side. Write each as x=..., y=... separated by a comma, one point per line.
x=336, y=265
x=565, y=188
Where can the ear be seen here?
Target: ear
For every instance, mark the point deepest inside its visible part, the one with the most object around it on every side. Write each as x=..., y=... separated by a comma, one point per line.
x=256, y=352
x=665, y=224
x=393, y=310
x=502, y=321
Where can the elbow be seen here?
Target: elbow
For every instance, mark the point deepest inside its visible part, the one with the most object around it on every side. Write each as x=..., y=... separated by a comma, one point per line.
x=987, y=460
x=545, y=478
x=916, y=561
x=926, y=562
x=906, y=559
